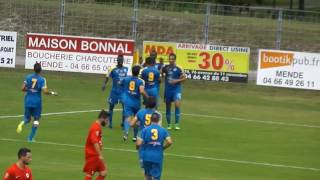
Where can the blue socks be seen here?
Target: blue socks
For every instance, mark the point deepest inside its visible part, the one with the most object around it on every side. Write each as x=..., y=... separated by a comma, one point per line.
x=135, y=132
x=111, y=106
x=168, y=115
x=33, y=133
x=177, y=115
x=126, y=126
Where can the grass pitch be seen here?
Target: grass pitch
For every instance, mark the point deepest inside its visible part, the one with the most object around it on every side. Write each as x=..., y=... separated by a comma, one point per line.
x=229, y=131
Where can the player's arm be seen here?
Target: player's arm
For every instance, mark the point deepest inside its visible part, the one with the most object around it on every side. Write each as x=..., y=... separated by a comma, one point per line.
x=97, y=149
x=8, y=175
x=167, y=143
x=24, y=87
x=182, y=78
x=143, y=92
x=105, y=83
x=46, y=91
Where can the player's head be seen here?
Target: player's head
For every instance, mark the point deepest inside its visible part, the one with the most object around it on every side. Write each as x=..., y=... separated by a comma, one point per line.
x=150, y=61
x=136, y=70
x=151, y=102
x=120, y=60
x=103, y=117
x=37, y=68
x=155, y=117
x=172, y=58
x=153, y=54
x=161, y=60
x=24, y=155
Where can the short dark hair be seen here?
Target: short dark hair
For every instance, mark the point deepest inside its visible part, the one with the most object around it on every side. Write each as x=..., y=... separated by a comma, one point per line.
x=150, y=60
x=37, y=67
x=153, y=53
x=120, y=58
x=151, y=102
x=155, y=117
x=103, y=114
x=136, y=70
x=173, y=54
x=23, y=152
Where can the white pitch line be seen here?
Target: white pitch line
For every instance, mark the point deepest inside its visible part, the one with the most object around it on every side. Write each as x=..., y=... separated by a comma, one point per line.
x=176, y=155
x=185, y=114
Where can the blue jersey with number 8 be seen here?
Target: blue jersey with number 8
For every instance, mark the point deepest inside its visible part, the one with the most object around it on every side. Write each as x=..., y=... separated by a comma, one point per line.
x=132, y=95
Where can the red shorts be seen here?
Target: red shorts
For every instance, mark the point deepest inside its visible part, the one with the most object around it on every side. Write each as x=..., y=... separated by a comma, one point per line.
x=93, y=165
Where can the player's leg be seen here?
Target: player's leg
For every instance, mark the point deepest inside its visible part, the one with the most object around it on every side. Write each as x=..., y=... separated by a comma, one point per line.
x=26, y=119
x=123, y=116
x=135, y=129
x=36, y=113
x=102, y=171
x=156, y=171
x=128, y=111
x=88, y=177
x=147, y=170
x=177, y=102
x=112, y=102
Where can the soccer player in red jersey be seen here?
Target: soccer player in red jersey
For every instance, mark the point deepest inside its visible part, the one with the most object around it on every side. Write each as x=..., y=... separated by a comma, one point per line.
x=93, y=149
x=19, y=170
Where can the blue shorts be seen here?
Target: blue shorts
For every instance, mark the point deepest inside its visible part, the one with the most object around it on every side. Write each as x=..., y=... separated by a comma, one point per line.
x=130, y=111
x=172, y=96
x=154, y=92
x=115, y=98
x=152, y=169
x=32, y=112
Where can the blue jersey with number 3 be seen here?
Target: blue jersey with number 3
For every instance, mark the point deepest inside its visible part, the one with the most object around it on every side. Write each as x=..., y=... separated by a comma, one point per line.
x=153, y=138
x=132, y=95
x=34, y=84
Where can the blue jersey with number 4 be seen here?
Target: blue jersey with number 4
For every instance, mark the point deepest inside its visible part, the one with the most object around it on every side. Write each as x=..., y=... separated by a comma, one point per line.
x=144, y=117
x=153, y=138
x=151, y=76
x=117, y=74
x=34, y=84
x=132, y=95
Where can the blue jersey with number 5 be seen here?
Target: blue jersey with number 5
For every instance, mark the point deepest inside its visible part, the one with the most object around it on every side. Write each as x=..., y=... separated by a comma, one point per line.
x=153, y=138
x=132, y=95
x=34, y=84
x=144, y=117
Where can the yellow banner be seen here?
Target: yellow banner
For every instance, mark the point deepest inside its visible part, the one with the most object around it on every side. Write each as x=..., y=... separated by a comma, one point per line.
x=163, y=49
x=214, y=58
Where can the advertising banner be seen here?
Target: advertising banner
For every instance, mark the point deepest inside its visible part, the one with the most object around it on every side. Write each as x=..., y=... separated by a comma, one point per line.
x=8, y=45
x=289, y=69
x=76, y=54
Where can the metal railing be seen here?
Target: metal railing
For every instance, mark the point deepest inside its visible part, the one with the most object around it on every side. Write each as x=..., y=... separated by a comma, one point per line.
x=254, y=27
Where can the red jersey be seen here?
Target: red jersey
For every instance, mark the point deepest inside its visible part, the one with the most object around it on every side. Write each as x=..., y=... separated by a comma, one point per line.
x=15, y=173
x=94, y=136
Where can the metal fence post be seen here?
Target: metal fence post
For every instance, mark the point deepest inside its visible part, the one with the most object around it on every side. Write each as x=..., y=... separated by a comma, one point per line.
x=279, y=29
x=206, y=24
x=135, y=21
x=62, y=13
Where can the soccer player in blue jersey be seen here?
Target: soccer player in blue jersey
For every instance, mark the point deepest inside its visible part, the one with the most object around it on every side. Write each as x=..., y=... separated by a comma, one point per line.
x=133, y=89
x=153, y=141
x=151, y=77
x=143, y=118
x=33, y=85
x=159, y=65
x=174, y=76
x=117, y=74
